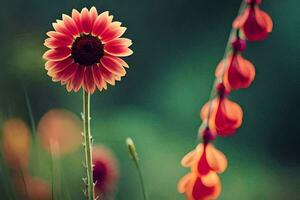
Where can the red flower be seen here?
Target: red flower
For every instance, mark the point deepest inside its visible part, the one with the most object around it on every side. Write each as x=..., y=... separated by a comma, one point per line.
x=200, y=188
x=105, y=171
x=85, y=50
x=225, y=116
x=255, y=23
x=204, y=159
x=237, y=72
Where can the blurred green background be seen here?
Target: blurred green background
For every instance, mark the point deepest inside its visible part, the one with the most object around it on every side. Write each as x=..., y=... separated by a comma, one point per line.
x=177, y=45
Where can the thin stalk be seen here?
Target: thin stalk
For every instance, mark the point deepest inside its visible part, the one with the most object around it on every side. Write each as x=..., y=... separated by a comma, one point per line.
x=218, y=80
x=134, y=156
x=145, y=196
x=88, y=146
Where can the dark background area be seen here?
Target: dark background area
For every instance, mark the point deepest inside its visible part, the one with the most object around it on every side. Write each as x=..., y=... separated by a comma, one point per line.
x=177, y=45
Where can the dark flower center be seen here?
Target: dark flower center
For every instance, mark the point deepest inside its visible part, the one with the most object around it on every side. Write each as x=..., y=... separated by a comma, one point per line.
x=87, y=50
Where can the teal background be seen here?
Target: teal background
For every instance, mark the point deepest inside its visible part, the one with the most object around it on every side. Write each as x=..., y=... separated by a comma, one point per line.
x=177, y=45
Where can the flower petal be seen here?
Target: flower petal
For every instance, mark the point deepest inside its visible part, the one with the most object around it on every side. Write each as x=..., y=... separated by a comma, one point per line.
x=112, y=65
x=99, y=80
x=76, y=17
x=211, y=179
x=61, y=65
x=86, y=21
x=67, y=73
x=118, y=47
x=101, y=23
x=66, y=39
x=113, y=31
x=55, y=43
x=88, y=81
x=57, y=54
x=201, y=191
x=189, y=159
x=215, y=159
x=107, y=75
x=70, y=25
x=183, y=183
x=78, y=78
x=59, y=26
x=94, y=14
x=122, y=62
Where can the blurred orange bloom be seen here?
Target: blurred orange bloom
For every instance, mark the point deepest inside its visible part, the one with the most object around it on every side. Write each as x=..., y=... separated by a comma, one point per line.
x=238, y=73
x=16, y=144
x=85, y=50
x=203, y=183
x=105, y=171
x=200, y=188
x=32, y=188
x=59, y=131
x=204, y=159
x=225, y=116
x=255, y=23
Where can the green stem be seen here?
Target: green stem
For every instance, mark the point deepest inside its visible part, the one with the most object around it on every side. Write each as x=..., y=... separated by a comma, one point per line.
x=141, y=180
x=134, y=156
x=88, y=146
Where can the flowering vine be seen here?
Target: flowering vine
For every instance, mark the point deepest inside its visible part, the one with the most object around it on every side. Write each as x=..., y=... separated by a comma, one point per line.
x=221, y=116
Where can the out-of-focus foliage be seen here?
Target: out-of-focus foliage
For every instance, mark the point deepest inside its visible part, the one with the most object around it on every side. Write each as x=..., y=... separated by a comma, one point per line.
x=177, y=45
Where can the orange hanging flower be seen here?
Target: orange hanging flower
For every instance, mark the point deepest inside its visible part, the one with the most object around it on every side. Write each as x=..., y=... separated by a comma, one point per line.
x=238, y=73
x=204, y=159
x=225, y=116
x=85, y=50
x=255, y=23
x=203, y=182
x=199, y=188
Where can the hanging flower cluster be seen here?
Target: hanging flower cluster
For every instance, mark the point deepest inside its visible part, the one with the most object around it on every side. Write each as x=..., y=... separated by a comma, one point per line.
x=221, y=116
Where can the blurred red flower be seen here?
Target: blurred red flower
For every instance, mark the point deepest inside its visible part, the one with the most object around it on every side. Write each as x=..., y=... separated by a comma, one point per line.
x=204, y=159
x=203, y=183
x=225, y=116
x=105, y=171
x=200, y=188
x=59, y=132
x=237, y=72
x=255, y=23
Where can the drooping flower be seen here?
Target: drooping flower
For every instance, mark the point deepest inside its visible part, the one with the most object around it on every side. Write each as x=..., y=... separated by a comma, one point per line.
x=59, y=132
x=237, y=72
x=198, y=188
x=204, y=159
x=85, y=50
x=255, y=23
x=202, y=183
x=16, y=144
x=225, y=116
x=106, y=171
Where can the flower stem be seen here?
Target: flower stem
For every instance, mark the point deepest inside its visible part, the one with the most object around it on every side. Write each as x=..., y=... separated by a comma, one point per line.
x=134, y=156
x=88, y=146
